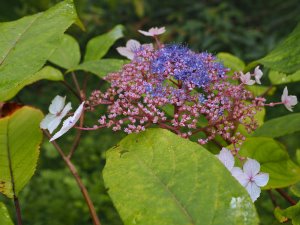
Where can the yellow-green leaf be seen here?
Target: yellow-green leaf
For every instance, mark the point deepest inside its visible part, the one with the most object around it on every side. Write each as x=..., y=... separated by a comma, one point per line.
x=20, y=137
x=157, y=177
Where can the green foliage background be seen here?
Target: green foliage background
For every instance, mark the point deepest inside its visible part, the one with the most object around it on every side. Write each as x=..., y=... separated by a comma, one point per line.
x=247, y=29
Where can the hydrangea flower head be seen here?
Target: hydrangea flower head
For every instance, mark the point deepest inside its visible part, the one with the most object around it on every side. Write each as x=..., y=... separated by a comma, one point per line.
x=187, y=66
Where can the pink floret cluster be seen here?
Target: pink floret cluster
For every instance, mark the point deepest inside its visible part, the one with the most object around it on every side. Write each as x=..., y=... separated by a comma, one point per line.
x=153, y=90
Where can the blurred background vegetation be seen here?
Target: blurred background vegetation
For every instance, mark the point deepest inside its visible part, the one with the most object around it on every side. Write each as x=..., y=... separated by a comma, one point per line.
x=247, y=29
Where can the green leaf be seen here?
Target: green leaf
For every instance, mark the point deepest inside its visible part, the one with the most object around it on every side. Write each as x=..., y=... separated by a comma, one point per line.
x=258, y=90
x=279, y=127
x=281, y=78
x=4, y=216
x=232, y=62
x=67, y=55
x=27, y=43
x=274, y=160
x=98, y=46
x=156, y=177
x=47, y=73
x=293, y=213
x=286, y=56
x=20, y=137
x=101, y=67
x=278, y=213
x=295, y=189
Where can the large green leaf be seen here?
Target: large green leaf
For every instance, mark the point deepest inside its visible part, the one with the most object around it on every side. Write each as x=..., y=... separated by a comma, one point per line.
x=232, y=62
x=20, y=137
x=98, y=46
x=281, y=78
x=26, y=44
x=101, y=67
x=286, y=56
x=67, y=55
x=280, y=126
x=4, y=216
x=156, y=177
x=274, y=160
x=292, y=213
x=47, y=73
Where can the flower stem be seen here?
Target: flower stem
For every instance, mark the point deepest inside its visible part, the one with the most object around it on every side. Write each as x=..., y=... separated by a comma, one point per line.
x=286, y=196
x=75, y=174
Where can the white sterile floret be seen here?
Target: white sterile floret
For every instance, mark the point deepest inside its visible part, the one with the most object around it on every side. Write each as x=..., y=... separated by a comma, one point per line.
x=251, y=178
x=57, y=111
x=131, y=47
x=69, y=122
x=258, y=74
x=246, y=78
x=288, y=100
x=226, y=157
x=154, y=31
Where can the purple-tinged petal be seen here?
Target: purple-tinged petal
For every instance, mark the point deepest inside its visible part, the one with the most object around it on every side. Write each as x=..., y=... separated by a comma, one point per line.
x=124, y=51
x=251, y=167
x=241, y=177
x=226, y=157
x=133, y=45
x=253, y=190
x=261, y=179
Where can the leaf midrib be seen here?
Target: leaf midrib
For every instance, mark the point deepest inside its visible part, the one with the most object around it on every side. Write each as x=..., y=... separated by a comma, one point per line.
x=19, y=38
x=9, y=160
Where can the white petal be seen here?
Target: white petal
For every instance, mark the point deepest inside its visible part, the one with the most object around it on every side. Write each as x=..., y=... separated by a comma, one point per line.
x=226, y=157
x=145, y=33
x=258, y=74
x=133, y=45
x=253, y=190
x=261, y=179
x=69, y=122
x=293, y=100
x=284, y=95
x=251, y=167
x=46, y=121
x=54, y=124
x=67, y=125
x=57, y=104
x=250, y=82
x=157, y=31
x=241, y=177
x=65, y=111
x=125, y=52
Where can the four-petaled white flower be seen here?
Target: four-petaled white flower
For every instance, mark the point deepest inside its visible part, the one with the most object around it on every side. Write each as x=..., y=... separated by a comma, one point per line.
x=226, y=157
x=258, y=74
x=251, y=178
x=131, y=47
x=154, y=31
x=246, y=78
x=57, y=111
x=288, y=100
x=69, y=122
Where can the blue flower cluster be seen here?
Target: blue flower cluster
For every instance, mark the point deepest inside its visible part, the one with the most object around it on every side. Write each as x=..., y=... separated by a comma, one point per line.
x=186, y=65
